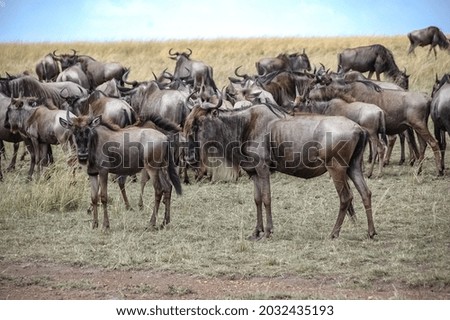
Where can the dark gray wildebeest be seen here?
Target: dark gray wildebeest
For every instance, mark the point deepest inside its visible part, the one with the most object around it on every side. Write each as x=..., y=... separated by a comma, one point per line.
x=294, y=62
x=105, y=148
x=57, y=92
x=403, y=109
x=66, y=60
x=374, y=58
x=40, y=125
x=261, y=139
x=440, y=112
x=367, y=115
x=431, y=36
x=199, y=73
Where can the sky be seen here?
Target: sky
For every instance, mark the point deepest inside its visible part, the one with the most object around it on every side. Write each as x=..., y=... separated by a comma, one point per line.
x=116, y=20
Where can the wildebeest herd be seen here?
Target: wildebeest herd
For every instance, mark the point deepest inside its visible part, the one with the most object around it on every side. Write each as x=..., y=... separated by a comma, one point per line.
x=286, y=117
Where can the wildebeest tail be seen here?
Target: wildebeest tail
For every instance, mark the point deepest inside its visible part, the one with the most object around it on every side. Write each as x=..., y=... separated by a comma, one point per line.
x=357, y=157
x=173, y=175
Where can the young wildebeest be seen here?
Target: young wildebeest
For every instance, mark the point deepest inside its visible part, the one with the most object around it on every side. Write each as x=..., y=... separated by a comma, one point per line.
x=374, y=58
x=367, y=115
x=260, y=139
x=40, y=125
x=440, y=112
x=105, y=148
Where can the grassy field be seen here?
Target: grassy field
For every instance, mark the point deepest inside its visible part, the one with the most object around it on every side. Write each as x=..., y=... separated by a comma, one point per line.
x=46, y=220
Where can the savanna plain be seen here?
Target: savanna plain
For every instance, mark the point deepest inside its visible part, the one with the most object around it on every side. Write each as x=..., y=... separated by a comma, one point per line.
x=48, y=249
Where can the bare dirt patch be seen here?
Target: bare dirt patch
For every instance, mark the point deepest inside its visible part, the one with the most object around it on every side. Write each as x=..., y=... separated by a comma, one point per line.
x=46, y=280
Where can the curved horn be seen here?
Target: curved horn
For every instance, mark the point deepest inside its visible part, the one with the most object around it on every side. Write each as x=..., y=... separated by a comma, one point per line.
x=240, y=75
x=124, y=79
x=190, y=52
x=69, y=121
x=219, y=104
x=55, y=56
x=74, y=52
x=172, y=54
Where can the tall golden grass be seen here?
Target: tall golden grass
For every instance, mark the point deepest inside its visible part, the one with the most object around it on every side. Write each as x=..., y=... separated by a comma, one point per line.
x=46, y=220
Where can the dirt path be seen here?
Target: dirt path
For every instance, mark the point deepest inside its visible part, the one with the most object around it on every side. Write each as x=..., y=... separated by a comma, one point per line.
x=59, y=281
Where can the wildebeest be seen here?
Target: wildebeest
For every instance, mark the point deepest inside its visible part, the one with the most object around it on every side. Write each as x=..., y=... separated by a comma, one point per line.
x=57, y=92
x=6, y=135
x=261, y=139
x=294, y=62
x=403, y=109
x=440, y=112
x=47, y=68
x=367, y=115
x=74, y=74
x=373, y=58
x=431, y=36
x=40, y=125
x=148, y=98
x=99, y=72
x=200, y=73
x=105, y=148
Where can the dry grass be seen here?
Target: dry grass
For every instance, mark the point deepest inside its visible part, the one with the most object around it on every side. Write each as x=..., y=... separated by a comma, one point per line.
x=47, y=220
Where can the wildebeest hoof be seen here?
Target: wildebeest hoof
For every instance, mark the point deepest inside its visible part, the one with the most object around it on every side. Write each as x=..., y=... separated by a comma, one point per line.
x=256, y=236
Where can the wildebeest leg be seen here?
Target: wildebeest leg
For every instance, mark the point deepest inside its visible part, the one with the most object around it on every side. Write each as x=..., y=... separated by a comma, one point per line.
x=340, y=181
x=2, y=151
x=391, y=142
x=158, y=195
x=121, y=182
x=423, y=132
x=12, y=164
x=262, y=196
x=355, y=174
x=166, y=200
x=370, y=74
x=32, y=159
x=103, y=177
x=94, y=200
x=440, y=137
x=144, y=179
x=376, y=148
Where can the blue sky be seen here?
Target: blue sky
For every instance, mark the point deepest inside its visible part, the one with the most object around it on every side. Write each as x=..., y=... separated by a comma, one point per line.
x=112, y=20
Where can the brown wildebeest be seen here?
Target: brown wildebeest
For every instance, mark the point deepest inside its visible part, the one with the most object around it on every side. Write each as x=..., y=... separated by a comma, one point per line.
x=367, y=115
x=440, y=112
x=431, y=36
x=260, y=139
x=293, y=62
x=105, y=148
x=40, y=125
x=403, y=109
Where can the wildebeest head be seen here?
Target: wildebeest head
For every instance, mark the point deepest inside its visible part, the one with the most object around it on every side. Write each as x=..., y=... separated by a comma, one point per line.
x=65, y=59
x=83, y=132
x=18, y=110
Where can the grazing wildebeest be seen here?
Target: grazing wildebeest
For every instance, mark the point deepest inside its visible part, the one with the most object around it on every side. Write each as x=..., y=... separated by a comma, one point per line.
x=199, y=72
x=403, y=109
x=294, y=62
x=106, y=148
x=47, y=68
x=440, y=112
x=431, y=36
x=374, y=58
x=261, y=139
x=367, y=115
x=40, y=125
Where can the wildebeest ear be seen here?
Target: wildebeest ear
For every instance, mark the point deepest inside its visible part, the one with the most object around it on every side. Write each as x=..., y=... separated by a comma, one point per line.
x=95, y=122
x=64, y=123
